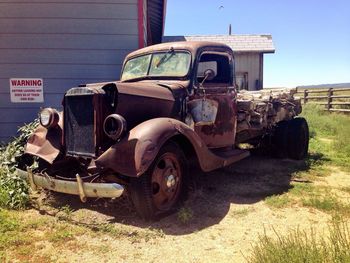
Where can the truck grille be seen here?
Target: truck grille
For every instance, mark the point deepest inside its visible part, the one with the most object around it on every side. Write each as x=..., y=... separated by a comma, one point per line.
x=79, y=121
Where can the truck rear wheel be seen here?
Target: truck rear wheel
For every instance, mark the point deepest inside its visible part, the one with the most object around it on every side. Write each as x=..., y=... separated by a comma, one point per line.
x=279, y=140
x=159, y=190
x=298, y=138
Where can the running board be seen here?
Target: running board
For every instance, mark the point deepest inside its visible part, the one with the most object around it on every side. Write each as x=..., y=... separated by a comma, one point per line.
x=220, y=158
x=232, y=156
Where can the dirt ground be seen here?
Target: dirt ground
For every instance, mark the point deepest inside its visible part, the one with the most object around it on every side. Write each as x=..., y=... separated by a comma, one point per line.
x=222, y=218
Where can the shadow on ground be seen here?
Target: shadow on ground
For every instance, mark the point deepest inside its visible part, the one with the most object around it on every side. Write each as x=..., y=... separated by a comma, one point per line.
x=210, y=196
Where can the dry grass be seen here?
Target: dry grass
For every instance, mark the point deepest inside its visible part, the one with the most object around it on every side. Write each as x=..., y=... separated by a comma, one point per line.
x=226, y=212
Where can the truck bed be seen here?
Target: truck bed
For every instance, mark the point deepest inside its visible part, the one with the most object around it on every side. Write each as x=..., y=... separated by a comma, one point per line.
x=261, y=110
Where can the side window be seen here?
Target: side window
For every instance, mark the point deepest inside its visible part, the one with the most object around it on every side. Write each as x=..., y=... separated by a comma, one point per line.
x=203, y=66
x=219, y=63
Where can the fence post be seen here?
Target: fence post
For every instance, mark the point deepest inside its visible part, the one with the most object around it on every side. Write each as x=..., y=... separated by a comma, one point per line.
x=329, y=99
x=305, y=96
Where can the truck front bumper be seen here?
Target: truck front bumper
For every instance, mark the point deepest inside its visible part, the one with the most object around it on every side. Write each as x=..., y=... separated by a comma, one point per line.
x=80, y=188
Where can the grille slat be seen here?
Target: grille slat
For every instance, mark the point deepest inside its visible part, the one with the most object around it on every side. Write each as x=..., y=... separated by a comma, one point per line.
x=79, y=125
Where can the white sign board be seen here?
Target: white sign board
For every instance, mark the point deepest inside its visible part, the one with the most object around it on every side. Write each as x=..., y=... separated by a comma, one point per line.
x=26, y=90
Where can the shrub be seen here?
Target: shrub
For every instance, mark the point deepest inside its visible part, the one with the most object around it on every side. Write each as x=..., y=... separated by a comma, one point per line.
x=14, y=192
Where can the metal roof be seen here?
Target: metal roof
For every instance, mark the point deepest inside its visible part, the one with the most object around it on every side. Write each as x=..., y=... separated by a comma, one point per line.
x=238, y=43
x=156, y=16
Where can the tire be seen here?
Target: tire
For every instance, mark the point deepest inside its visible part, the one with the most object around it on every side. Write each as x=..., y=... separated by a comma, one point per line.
x=279, y=140
x=298, y=138
x=158, y=191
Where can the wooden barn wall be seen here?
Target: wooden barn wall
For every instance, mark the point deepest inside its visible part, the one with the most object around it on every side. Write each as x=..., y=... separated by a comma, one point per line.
x=251, y=63
x=64, y=42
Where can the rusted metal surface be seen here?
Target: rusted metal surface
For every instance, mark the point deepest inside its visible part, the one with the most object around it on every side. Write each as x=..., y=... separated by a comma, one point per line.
x=155, y=111
x=45, y=143
x=220, y=133
x=133, y=155
x=150, y=124
x=147, y=89
x=203, y=111
x=149, y=99
x=167, y=180
x=192, y=46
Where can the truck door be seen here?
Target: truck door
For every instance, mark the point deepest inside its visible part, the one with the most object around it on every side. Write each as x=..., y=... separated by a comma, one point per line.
x=212, y=106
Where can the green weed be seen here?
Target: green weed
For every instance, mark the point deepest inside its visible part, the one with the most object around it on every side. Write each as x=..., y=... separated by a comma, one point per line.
x=329, y=134
x=8, y=223
x=309, y=195
x=327, y=203
x=302, y=246
x=3, y=257
x=106, y=228
x=242, y=212
x=61, y=235
x=277, y=201
x=37, y=223
x=300, y=189
x=346, y=189
x=185, y=215
x=134, y=236
x=11, y=231
x=67, y=212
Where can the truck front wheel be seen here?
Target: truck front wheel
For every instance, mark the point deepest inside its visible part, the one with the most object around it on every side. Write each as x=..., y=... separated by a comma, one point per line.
x=157, y=191
x=298, y=138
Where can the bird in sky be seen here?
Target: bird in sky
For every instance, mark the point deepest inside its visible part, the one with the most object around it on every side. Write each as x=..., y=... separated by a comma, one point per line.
x=221, y=7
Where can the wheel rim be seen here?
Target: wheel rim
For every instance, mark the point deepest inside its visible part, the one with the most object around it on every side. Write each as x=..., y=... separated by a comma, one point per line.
x=166, y=181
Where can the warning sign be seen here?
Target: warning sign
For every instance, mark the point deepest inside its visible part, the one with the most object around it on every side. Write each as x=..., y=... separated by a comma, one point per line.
x=26, y=90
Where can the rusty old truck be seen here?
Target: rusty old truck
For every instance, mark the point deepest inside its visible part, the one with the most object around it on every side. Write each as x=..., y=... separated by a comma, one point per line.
x=176, y=105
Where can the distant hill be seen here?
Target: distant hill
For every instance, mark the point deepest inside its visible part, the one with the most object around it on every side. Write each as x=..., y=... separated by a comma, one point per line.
x=325, y=86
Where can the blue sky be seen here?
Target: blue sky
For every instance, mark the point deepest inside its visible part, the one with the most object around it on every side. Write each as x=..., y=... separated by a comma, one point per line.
x=312, y=38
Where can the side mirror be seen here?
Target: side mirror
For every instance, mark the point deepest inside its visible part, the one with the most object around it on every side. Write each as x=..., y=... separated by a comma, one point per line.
x=209, y=74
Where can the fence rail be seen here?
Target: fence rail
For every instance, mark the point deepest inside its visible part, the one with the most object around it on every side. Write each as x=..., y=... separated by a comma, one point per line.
x=328, y=98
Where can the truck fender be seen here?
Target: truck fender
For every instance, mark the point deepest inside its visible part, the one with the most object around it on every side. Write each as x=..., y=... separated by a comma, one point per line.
x=134, y=154
x=46, y=143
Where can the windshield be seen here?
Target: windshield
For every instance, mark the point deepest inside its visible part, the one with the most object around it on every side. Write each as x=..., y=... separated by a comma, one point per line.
x=165, y=64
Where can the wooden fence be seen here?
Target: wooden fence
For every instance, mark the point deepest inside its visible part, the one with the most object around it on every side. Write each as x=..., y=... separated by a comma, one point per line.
x=333, y=99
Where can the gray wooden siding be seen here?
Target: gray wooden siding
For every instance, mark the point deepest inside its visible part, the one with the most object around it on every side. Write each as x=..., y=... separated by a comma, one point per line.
x=249, y=62
x=65, y=42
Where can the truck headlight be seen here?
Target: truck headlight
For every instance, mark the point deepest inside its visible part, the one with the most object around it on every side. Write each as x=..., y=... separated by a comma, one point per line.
x=114, y=126
x=48, y=117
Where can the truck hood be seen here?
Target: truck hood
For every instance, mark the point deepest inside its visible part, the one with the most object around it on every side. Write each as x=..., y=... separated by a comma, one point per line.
x=145, y=90
x=138, y=102
x=144, y=100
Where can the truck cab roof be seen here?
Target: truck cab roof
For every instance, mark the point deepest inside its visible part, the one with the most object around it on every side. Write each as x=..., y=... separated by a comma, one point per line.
x=192, y=46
